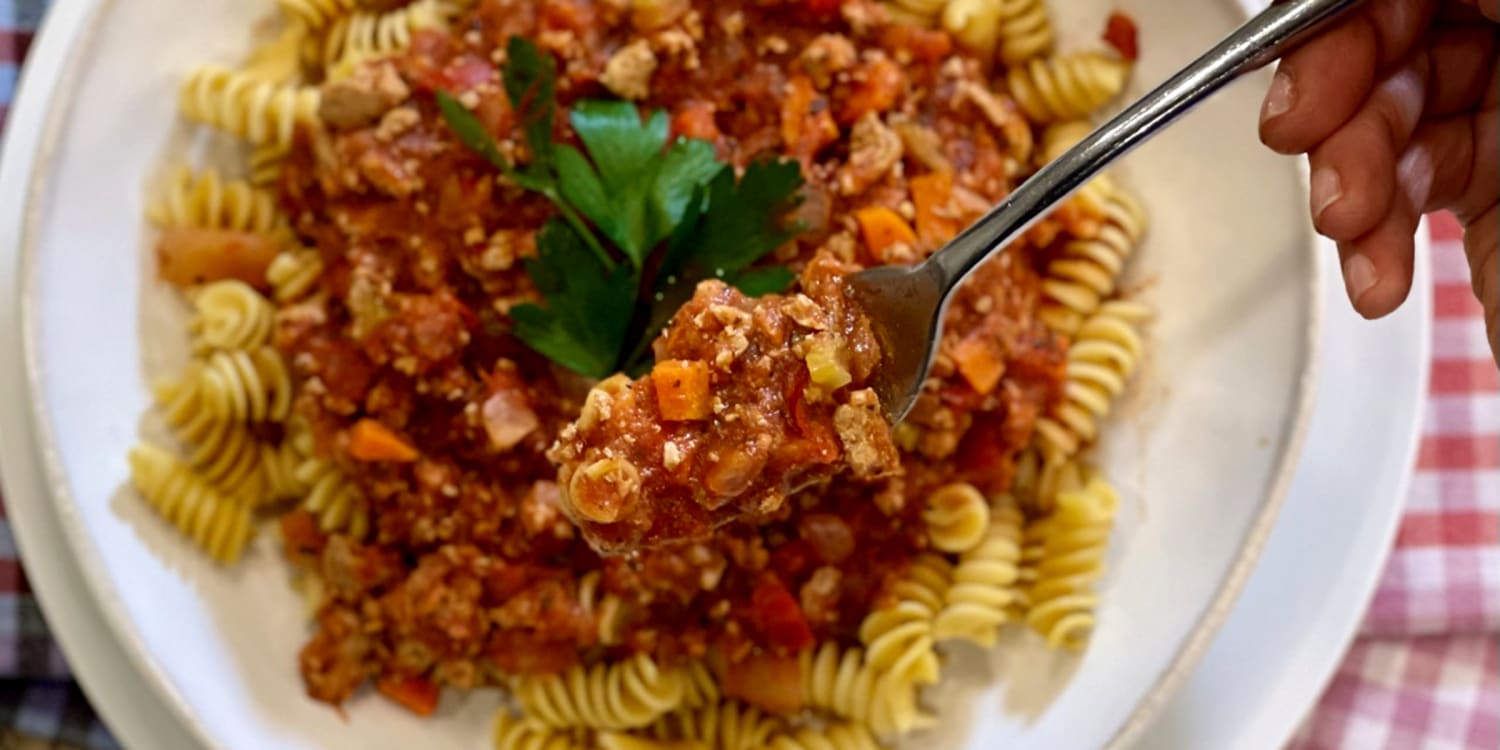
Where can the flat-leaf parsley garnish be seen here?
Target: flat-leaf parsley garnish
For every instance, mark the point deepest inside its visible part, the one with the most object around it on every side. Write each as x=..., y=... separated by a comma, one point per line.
x=628, y=196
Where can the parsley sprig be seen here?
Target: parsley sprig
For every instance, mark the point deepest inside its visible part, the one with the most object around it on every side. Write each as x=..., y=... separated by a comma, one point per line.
x=669, y=215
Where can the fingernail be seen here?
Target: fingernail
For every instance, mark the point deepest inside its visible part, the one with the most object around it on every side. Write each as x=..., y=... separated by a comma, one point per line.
x=1278, y=98
x=1359, y=276
x=1326, y=190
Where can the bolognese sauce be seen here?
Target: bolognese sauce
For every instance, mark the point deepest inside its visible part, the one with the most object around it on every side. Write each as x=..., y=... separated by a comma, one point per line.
x=755, y=426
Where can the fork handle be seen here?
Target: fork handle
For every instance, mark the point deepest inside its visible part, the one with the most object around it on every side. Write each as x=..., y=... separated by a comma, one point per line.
x=1264, y=38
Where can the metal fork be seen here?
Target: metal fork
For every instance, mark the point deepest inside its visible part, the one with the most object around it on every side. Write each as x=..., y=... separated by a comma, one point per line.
x=905, y=304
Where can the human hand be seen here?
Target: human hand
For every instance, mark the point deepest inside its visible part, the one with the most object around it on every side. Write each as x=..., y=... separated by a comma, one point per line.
x=1396, y=108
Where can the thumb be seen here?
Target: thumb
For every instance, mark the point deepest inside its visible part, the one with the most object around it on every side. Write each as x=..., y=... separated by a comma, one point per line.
x=1482, y=245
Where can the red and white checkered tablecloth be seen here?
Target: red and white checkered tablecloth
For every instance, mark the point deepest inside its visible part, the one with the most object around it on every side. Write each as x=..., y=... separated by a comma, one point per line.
x=1424, y=674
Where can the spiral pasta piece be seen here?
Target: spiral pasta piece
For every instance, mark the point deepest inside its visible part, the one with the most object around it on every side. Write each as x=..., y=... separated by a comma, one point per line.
x=207, y=201
x=1087, y=269
x=334, y=500
x=294, y=273
x=1025, y=30
x=279, y=59
x=898, y=639
x=729, y=725
x=975, y=24
x=247, y=386
x=233, y=461
x=1104, y=353
x=624, y=695
x=181, y=403
x=606, y=609
x=318, y=13
x=916, y=12
x=957, y=516
x=261, y=112
x=843, y=684
x=1073, y=540
x=1066, y=87
x=231, y=315
x=217, y=525
x=363, y=35
x=836, y=736
x=984, y=590
x=525, y=733
x=266, y=162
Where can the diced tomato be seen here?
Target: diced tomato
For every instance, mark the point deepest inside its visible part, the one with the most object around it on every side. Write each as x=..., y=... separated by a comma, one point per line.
x=694, y=118
x=778, y=616
x=417, y=694
x=1120, y=33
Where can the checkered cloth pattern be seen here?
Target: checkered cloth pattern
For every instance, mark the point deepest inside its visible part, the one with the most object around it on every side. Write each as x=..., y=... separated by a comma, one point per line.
x=1423, y=674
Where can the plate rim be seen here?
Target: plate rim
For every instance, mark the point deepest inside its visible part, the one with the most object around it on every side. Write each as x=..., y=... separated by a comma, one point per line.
x=67, y=43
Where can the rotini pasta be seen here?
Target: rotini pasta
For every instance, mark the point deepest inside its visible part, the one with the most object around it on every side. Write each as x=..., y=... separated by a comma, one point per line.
x=207, y=201
x=231, y=315
x=266, y=161
x=294, y=273
x=957, y=516
x=835, y=736
x=279, y=59
x=984, y=589
x=1066, y=87
x=318, y=13
x=841, y=683
x=181, y=405
x=729, y=725
x=1025, y=30
x=1073, y=540
x=216, y=524
x=365, y=34
x=626, y=695
x=1087, y=269
x=1104, y=353
x=975, y=24
x=232, y=460
x=898, y=639
x=524, y=733
x=247, y=386
x=261, y=112
x=605, y=608
x=916, y=12
x=332, y=498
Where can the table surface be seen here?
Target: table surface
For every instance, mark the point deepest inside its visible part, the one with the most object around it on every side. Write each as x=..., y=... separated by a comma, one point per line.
x=1424, y=673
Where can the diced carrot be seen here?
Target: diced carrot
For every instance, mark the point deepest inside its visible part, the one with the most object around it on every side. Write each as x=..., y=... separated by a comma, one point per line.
x=694, y=118
x=805, y=128
x=883, y=229
x=877, y=86
x=370, y=440
x=194, y=255
x=682, y=392
x=417, y=694
x=932, y=195
x=979, y=361
x=924, y=44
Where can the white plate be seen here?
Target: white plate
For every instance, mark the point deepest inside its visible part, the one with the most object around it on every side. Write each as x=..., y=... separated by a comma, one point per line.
x=1235, y=337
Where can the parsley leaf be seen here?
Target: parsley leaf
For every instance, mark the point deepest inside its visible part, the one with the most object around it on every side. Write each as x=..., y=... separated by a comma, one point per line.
x=740, y=222
x=530, y=79
x=588, y=307
x=646, y=198
x=626, y=186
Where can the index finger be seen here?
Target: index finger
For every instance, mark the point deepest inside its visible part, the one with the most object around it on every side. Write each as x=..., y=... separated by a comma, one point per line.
x=1318, y=87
